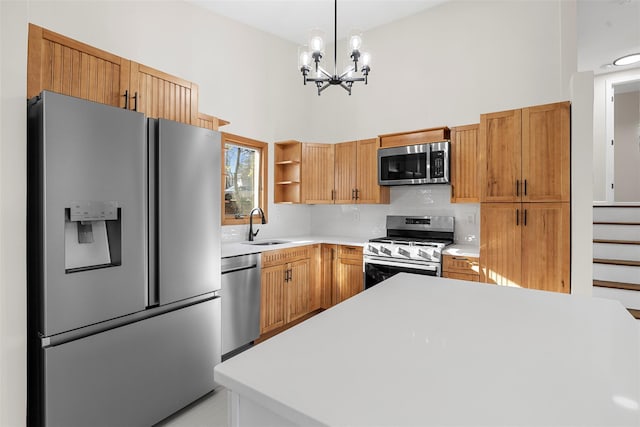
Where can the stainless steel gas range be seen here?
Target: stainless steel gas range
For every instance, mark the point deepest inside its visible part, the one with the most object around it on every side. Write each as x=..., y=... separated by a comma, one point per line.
x=413, y=244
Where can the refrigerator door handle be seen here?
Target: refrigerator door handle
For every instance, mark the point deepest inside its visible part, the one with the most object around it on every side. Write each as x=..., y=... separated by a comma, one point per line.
x=153, y=286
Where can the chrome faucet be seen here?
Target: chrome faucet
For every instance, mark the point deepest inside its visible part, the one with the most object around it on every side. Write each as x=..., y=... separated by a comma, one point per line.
x=251, y=233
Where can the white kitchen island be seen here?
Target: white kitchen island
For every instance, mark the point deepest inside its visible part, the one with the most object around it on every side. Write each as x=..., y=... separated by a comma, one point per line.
x=423, y=351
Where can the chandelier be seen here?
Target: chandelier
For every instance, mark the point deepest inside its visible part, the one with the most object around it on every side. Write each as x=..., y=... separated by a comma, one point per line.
x=322, y=78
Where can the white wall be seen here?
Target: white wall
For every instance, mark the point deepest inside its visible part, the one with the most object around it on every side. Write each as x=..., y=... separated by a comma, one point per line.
x=582, y=108
x=627, y=147
x=245, y=76
x=515, y=54
x=600, y=140
x=444, y=67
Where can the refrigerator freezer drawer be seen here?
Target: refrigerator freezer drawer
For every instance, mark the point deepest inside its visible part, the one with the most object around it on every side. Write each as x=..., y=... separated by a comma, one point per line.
x=134, y=375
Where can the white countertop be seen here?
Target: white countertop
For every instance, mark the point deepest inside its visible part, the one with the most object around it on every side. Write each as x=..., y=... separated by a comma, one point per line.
x=424, y=351
x=240, y=248
x=462, y=250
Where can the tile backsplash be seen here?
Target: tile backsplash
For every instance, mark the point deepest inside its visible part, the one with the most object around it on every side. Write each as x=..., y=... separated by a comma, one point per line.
x=365, y=221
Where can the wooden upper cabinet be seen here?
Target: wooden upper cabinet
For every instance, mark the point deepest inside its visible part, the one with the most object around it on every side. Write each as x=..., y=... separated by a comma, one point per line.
x=500, y=150
x=63, y=65
x=317, y=173
x=345, y=172
x=465, y=185
x=421, y=136
x=161, y=95
x=368, y=190
x=546, y=141
x=525, y=154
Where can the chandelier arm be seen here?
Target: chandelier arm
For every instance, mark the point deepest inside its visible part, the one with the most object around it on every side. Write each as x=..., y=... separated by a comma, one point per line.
x=346, y=73
x=323, y=71
x=354, y=79
x=318, y=79
x=320, y=89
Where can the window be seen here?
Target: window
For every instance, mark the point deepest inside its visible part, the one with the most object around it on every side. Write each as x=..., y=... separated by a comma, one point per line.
x=244, y=178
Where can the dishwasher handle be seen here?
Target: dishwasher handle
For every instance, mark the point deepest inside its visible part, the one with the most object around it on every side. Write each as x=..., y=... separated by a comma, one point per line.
x=244, y=267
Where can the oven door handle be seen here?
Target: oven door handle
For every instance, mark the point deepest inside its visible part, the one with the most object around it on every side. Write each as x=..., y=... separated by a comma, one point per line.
x=401, y=264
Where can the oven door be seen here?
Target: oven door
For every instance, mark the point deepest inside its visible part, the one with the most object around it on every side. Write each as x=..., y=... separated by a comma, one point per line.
x=376, y=270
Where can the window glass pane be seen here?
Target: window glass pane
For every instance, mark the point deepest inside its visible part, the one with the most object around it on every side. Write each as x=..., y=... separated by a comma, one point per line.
x=242, y=175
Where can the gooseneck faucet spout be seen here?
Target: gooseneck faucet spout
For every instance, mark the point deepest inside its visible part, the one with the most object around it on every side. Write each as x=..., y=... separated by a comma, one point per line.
x=251, y=233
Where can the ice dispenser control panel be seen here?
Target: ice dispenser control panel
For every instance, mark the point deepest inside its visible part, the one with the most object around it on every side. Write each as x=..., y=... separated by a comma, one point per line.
x=93, y=211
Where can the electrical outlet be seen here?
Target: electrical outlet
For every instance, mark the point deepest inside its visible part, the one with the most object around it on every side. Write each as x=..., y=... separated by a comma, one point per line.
x=471, y=218
x=356, y=215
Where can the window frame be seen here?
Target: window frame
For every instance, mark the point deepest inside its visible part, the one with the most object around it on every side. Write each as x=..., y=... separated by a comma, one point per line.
x=263, y=148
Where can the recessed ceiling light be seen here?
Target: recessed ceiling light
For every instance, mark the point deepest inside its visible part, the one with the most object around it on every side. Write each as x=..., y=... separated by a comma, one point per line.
x=627, y=59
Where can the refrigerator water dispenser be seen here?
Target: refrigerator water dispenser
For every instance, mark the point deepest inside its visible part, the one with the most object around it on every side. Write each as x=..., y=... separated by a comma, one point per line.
x=92, y=235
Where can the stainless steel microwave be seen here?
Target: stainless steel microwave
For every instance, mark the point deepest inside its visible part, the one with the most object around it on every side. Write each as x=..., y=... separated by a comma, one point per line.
x=414, y=164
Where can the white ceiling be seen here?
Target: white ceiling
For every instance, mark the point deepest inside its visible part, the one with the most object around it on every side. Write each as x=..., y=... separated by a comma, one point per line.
x=607, y=29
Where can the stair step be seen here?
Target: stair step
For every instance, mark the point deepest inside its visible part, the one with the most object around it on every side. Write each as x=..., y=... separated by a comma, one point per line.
x=626, y=251
x=616, y=285
x=617, y=242
x=615, y=223
x=617, y=213
x=630, y=299
x=616, y=273
x=616, y=262
x=616, y=231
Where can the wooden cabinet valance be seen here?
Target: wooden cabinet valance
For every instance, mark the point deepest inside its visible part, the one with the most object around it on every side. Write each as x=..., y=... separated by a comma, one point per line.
x=422, y=136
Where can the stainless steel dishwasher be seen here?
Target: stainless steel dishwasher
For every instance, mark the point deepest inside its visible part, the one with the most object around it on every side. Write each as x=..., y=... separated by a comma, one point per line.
x=240, y=302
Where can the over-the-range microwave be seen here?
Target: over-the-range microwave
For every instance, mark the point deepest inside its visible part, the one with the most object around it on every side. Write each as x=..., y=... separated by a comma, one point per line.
x=414, y=164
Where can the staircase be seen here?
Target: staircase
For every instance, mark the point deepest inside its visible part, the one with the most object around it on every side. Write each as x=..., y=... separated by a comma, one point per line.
x=616, y=254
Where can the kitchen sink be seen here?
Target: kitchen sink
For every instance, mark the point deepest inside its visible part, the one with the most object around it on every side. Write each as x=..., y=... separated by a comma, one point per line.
x=267, y=242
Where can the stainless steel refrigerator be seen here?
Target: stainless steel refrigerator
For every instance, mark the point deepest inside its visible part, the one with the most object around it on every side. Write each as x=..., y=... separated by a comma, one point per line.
x=123, y=264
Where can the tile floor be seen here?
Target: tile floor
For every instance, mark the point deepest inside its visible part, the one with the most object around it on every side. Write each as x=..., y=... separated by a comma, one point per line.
x=209, y=411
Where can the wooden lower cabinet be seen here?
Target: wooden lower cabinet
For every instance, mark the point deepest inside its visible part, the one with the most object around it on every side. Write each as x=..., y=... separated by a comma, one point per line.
x=461, y=267
x=342, y=274
x=526, y=245
x=349, y=277
x=298, y=281
x=285, y=286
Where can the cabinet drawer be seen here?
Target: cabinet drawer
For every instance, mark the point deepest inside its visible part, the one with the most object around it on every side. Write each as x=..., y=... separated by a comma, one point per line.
x=461, y=276
x=283, y=256
x=422, y=136
x=350, y=252
x=460, y=264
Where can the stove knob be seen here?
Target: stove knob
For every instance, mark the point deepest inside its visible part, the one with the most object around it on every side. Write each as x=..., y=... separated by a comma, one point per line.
x=385, y=251
x=424, y=254
x=404, y=252
x=372, y=249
